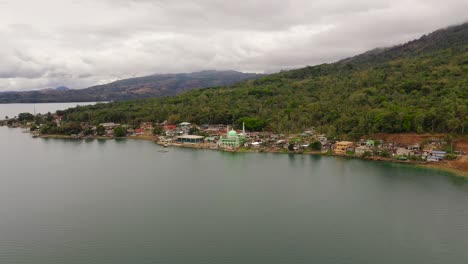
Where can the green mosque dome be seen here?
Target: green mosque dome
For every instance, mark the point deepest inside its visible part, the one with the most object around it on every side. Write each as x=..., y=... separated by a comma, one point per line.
x=232, y=133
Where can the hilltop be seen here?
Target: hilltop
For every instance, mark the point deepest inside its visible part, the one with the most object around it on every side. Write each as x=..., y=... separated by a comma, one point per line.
x=157, y=85
x=420, y=86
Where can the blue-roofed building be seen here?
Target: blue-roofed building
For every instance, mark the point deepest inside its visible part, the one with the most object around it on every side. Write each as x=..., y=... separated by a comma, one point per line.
x=436, y=155
x=433, y=159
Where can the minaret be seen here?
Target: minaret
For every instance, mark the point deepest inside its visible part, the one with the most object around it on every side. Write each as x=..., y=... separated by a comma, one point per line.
x=243, y=128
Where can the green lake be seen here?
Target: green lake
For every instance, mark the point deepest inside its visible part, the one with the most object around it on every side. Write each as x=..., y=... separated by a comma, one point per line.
x=73, y=201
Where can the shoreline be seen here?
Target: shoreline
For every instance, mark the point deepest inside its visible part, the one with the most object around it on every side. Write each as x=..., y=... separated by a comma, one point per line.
x=454, y=171
x=442, y=166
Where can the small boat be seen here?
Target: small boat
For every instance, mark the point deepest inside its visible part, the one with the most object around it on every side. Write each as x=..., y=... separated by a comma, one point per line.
x=165, y=145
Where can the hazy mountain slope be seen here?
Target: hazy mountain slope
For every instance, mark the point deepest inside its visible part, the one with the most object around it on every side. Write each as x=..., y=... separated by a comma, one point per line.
x=143, y=87
x=451, y=37
x=421, y=86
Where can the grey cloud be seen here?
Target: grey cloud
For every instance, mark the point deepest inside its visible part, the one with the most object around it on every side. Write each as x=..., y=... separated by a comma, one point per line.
x=82, y=43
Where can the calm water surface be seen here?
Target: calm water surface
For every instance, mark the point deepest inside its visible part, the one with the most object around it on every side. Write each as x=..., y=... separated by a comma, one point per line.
x=65, y=201
x=12, y=110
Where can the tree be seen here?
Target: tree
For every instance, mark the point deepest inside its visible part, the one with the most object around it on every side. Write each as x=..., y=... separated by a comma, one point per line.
x=49, y=117
x=88, y=131
x=100, y=130
x=25, y=117
x=157, y=130
x=70, y=128
x=193, y=131
x=316, y=145
x=252, y=123
x=173, y=119
x=120, y=131
x=49, y=128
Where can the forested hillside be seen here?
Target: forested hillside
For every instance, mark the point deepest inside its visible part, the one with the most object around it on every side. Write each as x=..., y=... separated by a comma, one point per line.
x=421, y=86
x=157, y=85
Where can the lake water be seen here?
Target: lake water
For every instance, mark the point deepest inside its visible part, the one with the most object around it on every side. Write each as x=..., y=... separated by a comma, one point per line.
x=12, y=110
x=72, y=201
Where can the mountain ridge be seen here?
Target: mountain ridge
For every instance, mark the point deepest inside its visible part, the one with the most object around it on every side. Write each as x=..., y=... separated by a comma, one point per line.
x=448, y=36
x=156, y=85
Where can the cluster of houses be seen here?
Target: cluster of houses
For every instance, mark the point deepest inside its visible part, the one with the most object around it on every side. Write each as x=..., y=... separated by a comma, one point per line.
x=224, y=137
x=221, y=136
x=427, y=152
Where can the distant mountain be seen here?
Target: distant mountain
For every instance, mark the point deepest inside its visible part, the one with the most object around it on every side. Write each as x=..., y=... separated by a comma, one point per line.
x=62, y=88
x=157, y=85
x=420, y=86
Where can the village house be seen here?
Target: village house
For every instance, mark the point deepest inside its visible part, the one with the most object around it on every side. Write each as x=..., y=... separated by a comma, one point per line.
x=169, y=130
x=414, y=147
x=429, y=147
x=305, y=146
x=361, y=150
x=169, y=127
x=109, y=125
x=370, y=143
x=211, y=139
x=436, y=155
x=403, y=152
x=190, y=139
x=147, y=126
x=139, y=131
x=323, y=139
x=327, y=146
x=341, y=147
x=213, y=128
x=58, y=120
x=390, y=146
x=184, y=128
x=255, y=144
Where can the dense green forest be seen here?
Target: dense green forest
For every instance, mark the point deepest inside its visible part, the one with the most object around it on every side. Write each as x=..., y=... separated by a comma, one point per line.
x=421, y=86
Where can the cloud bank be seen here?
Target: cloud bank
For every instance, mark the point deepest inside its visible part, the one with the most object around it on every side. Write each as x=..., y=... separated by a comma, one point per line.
x=49, y=43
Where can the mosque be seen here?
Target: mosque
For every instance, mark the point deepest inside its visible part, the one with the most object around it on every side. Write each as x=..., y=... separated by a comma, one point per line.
x=232, y=139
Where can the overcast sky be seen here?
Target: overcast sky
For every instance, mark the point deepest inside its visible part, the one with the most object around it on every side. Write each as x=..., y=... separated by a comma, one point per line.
x=79, y=43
